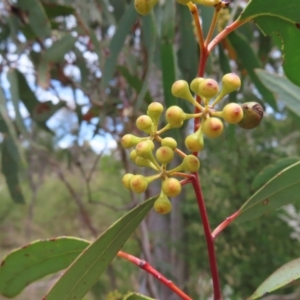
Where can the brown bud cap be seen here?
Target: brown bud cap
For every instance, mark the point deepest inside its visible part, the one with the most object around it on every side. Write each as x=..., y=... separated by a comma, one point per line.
x=253, y=114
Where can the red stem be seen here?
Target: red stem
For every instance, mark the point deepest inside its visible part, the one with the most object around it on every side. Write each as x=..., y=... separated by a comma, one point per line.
x=209, y=238
x=149, y=269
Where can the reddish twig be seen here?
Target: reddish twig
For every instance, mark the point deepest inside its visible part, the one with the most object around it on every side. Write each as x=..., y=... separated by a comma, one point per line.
x=149, y=269
x=209, y=239
x=224, y=224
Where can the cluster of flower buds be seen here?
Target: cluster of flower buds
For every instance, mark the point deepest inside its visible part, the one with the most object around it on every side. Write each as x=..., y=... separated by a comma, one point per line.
x=247, y=115
x=145, y=154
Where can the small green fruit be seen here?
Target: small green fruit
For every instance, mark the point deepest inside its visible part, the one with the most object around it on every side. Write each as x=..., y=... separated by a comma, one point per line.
x=208, y=88
x=171, y=187
x=162, y=205
x=232, y=113
x=130, y=140
x=212, y=127
x=191, y=163
x=144, y=123
x=194, y=85
x=230, y=83
x=144, y=149
x=143, y=162
x=194, y=142
x=164, y=154
x=133, y=155
x=169, y=142
x=253, y=114
x=175, y=116
x=126, y=180
x=180, y=89
x=154, y=111
x=144, y=7
x=138, y=184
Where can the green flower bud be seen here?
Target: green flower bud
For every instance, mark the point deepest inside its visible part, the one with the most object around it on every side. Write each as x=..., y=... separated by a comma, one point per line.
x=138, y=184
x=144, y=123
x=212, y=127
x=232, y=113
x=154, y=111
x=175, y=116
x=144, y=149
x=208, y=88
x=171, y=187
x=194, y=142
x=169, y=142
x=191, y=163
x=194, y=85
x=126, y=180
x=162, y=205
x=164, y=154
x=130, y=140
x=180, y=89
x=144, y=7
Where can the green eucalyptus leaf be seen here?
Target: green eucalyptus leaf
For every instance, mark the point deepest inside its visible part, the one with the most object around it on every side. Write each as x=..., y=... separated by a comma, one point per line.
x=36, y=260
x=284, y=90
x=43, y=74
x=250, y=61
x=271, y=170
x=283, y=188
x=136, y=296
x=281, y=277
x=59, y=48
x=10, y=161
x=54, y=10
x=116, y=44
x=88, y=267
x=38, y=20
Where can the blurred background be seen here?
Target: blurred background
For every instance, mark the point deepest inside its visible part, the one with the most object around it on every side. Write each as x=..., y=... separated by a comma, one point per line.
x=74, y=77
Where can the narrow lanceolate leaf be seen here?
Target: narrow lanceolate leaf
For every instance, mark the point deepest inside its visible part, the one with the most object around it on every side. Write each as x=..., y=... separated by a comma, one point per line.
x=54, y=10
x=136, y=296
x=284, y=275
x=271, y=170
x=283, y=188
x=249, y=61
x=87, y=268
x=10, y=161
x=59, y=48
x=38, y=20
x=43, y=74
x=134, y=82
x=284, y=90
x=116, y=44
x=279, y=18
x=36, y=260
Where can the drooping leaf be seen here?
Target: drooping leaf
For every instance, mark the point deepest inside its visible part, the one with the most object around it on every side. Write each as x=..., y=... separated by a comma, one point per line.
x=279, y=18
x=284, y=90
x=284, y=275
x=87, y=268
x=271, y=170
x=38, y=20
x=136, y=296
x=59, y=48
x=36, y=260
x=187, y=54
x=10, y=161
x=54, y=10
x=134, y=82
x=249, y=61
x=149, y=38
x=283, y=188
x=116, y=44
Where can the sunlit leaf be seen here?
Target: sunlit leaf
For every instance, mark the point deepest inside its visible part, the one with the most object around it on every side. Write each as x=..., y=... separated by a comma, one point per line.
x=249, y=61
x=59, y=48
x=271, y=170
x=116, y=44
x=283, y=89
x=87, y=268
x=283, y=188
x=284, y=275
x=36, y=260
x=38, y=20
x=10, y=161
